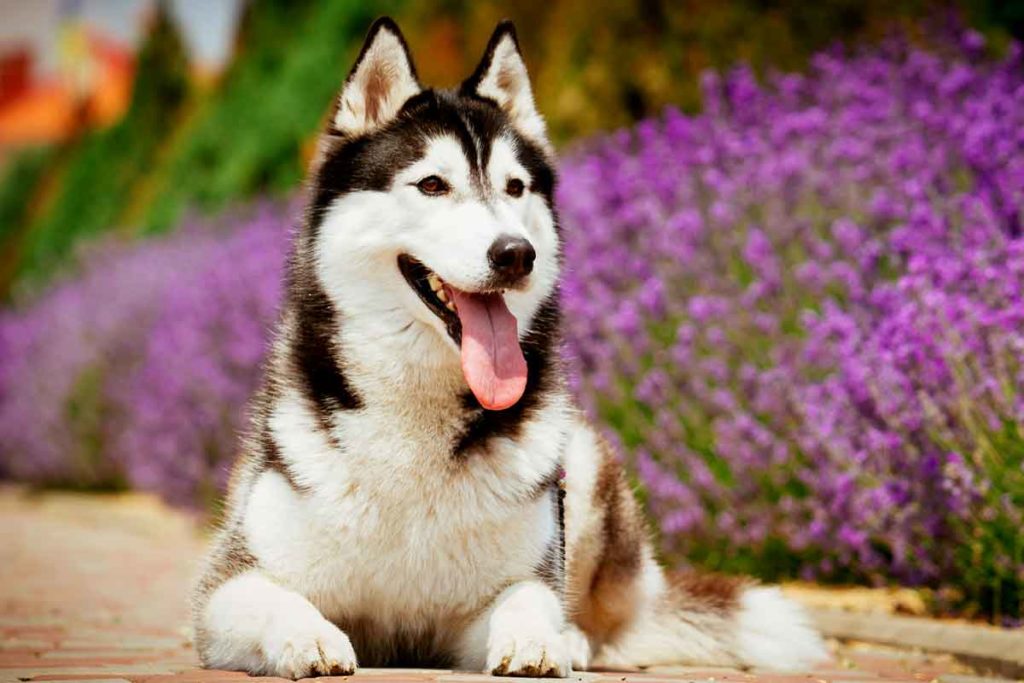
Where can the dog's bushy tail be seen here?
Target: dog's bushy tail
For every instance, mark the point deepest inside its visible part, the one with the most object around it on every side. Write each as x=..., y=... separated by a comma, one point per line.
x=720, y=621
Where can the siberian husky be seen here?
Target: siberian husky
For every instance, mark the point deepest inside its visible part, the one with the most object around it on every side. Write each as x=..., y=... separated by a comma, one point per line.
x=417, y=487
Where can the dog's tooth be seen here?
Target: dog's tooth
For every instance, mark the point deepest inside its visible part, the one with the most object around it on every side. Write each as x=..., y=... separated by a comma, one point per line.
x=442, y=295
x=450, y=306
x=435, y=281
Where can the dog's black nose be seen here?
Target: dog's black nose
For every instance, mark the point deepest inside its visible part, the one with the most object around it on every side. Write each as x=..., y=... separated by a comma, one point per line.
x=511, y=258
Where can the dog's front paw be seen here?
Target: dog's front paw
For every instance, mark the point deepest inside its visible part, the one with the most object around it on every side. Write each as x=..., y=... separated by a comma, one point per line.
x=535, y=654
x=314, y=647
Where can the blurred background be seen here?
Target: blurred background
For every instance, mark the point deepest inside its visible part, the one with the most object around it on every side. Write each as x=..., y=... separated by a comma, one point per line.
x=795, y=284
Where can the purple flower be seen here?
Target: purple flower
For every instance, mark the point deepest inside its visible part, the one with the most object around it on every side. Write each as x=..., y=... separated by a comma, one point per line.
x=841, y=314
x=137, y=370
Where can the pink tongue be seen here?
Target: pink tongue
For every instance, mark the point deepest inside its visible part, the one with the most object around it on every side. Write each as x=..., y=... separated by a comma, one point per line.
x=492, y=361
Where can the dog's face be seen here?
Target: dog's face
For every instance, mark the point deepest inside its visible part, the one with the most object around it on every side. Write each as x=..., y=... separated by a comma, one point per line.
x=433, y=209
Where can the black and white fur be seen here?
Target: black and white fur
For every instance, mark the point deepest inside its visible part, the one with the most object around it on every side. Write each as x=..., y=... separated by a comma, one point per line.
x=378, y=514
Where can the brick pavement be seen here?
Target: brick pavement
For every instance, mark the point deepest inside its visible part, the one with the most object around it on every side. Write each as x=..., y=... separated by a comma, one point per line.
x=94, y=588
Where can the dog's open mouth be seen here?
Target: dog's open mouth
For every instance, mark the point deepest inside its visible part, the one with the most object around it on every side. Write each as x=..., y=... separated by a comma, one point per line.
x=484, y=329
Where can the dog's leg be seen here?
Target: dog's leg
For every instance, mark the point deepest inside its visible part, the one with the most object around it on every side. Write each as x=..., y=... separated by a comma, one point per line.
x=519, y=634
x=252, y=624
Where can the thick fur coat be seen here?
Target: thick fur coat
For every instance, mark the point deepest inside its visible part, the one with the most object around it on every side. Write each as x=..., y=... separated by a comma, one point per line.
x=417, y=487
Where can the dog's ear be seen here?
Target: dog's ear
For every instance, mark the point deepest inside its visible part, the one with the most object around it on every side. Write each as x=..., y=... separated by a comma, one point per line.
x=380, y=83
x=501, y=77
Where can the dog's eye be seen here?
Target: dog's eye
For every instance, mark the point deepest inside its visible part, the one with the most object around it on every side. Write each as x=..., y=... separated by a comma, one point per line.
x=514, y=187
x=433, y=186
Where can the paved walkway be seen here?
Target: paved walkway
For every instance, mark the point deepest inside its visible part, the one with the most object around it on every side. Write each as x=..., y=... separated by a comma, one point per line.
x=94, y=588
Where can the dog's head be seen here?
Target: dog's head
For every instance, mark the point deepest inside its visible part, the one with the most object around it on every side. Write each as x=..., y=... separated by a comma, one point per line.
x=434, y=208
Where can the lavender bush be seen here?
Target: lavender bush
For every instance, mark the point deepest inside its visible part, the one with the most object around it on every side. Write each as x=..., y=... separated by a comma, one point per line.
x=800, y=314
x=136, y=370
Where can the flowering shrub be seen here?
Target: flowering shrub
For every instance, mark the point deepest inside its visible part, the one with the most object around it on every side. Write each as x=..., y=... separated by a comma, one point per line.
x=800, y=314
x=136, y=371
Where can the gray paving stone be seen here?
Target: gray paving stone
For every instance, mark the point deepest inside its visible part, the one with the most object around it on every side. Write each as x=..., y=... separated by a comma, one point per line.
x=966, y=640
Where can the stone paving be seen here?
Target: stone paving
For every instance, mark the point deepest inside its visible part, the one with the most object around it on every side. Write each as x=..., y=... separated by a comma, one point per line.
x=94, y=588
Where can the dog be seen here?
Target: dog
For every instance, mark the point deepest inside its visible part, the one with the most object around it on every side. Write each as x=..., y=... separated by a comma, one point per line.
x=417, y=487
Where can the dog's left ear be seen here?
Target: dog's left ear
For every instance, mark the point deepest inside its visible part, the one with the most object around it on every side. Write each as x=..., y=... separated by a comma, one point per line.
x=501, y=77
x=380, y=83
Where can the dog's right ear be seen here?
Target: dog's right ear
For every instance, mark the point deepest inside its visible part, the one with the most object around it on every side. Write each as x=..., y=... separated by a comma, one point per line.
x=380, y=83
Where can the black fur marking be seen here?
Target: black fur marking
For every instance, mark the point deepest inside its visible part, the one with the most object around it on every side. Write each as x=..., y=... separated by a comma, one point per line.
x=366, y=163
x=370, y=162
x=541, y=172
x=529, y=153
x=397, y=647
x=313, y=350
x=540, y=349
x=273, y=460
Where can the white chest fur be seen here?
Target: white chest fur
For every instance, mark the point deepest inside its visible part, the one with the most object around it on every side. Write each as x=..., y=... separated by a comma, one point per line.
x=389, y=528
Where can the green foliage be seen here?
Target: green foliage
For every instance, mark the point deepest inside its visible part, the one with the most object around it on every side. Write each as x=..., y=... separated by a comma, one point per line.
x=601, y=68
x=104, y=167
x=249, y=135
x=18, y=186
x=1005, y=14
x=991, y=580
